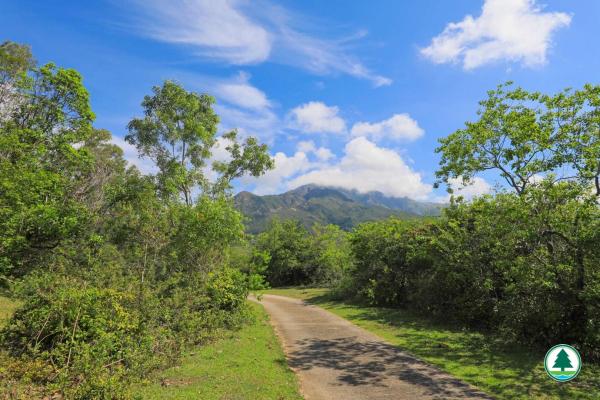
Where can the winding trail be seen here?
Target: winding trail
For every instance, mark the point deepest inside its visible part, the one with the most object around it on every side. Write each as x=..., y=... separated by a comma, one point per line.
x=336, y=360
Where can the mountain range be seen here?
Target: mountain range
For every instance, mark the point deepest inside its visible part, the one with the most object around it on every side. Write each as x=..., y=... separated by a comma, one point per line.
x=312, y=204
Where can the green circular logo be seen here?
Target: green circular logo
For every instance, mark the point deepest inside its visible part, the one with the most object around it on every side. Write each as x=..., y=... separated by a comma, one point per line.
x=562, y=362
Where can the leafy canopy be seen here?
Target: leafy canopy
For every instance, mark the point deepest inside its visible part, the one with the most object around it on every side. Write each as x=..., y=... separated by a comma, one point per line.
x=179, y=131
x=526, y=135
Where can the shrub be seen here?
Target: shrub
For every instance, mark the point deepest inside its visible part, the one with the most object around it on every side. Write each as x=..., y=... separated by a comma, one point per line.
x=292, y=255
x=525, y=266
x=94, y=338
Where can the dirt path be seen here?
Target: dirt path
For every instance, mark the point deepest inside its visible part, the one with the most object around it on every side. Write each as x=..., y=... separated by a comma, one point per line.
x=337, y=360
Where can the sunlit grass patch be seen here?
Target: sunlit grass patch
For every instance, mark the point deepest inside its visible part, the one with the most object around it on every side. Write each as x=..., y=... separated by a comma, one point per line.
x=7, y=308
x=247, y=364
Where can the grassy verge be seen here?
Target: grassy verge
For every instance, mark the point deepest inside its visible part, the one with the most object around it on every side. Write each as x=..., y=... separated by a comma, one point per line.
x=7, y=307
x=248, y=364
x=482, y=360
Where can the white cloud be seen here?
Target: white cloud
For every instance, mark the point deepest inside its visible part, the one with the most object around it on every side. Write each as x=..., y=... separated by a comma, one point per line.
x=306, y=146
x=321, y=56
x=274, y=181
x=317, y=117
x=476, y=187
x=367, y=167
x=399, y=126
x=130, y=154
x=240, y=32
x=512, y=30
x=263, y=124
x=240, y=105
x=215, y=29
x=322, y=153
x=241, y=93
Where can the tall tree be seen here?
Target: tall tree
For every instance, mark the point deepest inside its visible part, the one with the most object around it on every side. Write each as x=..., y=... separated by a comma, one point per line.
x=510, y=137
x=576, y=118
x=523, y=135
x=46, y=116
x=178, y=133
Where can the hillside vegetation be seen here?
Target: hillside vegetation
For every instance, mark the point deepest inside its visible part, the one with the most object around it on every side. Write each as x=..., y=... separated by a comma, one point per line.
x=320, y=205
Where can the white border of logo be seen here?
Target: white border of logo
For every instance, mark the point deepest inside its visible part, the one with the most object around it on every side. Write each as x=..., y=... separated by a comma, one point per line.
x=546, y=360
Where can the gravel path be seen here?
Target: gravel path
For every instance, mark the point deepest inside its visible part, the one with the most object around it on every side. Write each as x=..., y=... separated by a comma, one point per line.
x=337, y=360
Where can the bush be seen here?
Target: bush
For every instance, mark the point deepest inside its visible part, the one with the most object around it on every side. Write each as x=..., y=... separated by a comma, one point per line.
x=524, y=266
x=294, y=256
x=95, y=339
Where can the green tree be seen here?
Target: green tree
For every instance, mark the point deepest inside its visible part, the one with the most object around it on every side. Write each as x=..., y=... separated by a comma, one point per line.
x=562, y=360
x=511, y=136
x=15, y=61
x=113, y=275
x=178, y=133
x=331, y=252
x=249, y=157
x=576, y=119
x=523, y=135
x=287, y=245
x=40, y=164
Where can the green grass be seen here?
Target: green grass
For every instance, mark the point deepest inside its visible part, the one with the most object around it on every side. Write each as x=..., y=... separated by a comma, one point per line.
x=247, y=364
x=7, y=307
x=503, y=371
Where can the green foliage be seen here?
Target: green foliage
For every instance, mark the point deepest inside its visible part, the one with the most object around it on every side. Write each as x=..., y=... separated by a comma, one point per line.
x=331, y=250
x=294, y=256
x=116, y=275
x=15, y=61
x=523, y=135
x=93, y=337
x=384, y=254
x=248, y=364
x=525, y=265
x=178, y=133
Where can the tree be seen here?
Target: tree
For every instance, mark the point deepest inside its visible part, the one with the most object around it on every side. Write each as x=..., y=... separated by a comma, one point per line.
x=576, y=116
x=15, y=61
x=331, y=248
x=510, y=136
x=524, y=135
x=178, y=133
x=40, y=164
x=288, y=246
x=562, y=360
x=250, y=157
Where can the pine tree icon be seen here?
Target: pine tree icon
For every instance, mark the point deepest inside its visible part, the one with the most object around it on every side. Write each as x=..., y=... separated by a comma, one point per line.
x=562, y=361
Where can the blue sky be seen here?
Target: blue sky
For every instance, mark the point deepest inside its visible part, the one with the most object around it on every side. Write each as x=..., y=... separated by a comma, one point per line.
x=347, y=93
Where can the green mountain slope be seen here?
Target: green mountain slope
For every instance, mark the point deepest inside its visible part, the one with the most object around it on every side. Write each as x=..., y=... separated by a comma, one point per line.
x=327, y=205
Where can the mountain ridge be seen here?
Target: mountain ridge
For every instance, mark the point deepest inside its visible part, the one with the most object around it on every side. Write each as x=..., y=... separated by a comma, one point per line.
x=312, y=204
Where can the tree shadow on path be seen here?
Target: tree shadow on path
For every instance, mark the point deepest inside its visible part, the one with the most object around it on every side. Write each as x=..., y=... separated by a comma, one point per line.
x=359, y=363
